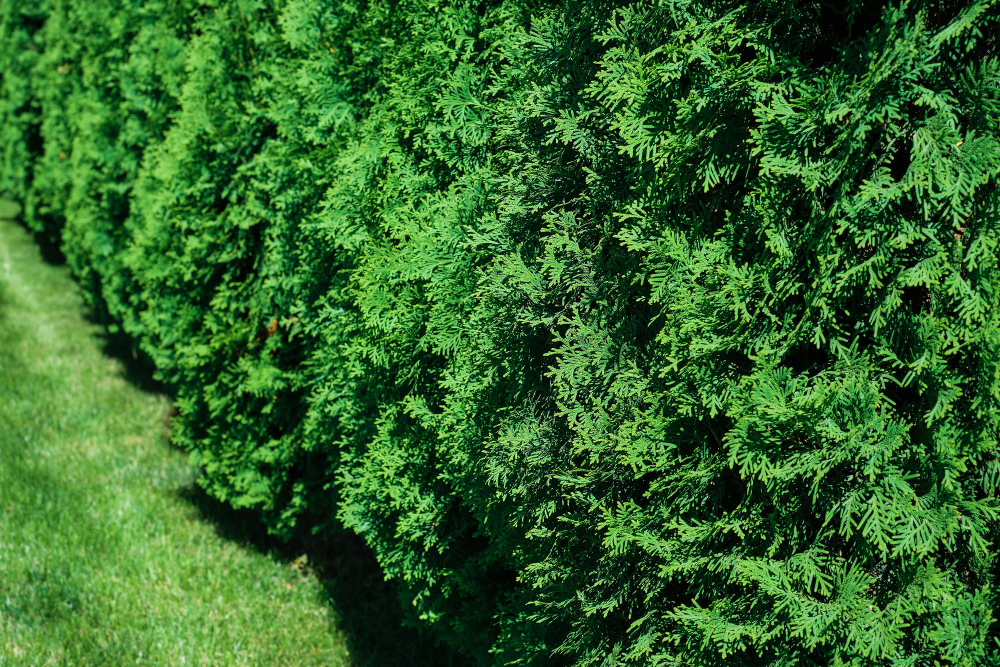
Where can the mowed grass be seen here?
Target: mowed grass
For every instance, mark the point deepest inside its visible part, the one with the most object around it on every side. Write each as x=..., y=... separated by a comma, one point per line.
x=104, y=558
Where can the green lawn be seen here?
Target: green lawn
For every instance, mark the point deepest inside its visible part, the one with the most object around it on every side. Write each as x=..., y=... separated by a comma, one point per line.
x=109, y=555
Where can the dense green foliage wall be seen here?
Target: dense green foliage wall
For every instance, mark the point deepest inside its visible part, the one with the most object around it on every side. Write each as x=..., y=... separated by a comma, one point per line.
x=653, y=332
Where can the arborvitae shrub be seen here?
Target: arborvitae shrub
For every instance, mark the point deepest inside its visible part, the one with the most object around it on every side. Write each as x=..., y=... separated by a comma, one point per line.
x=19, y=112
x=662, y=332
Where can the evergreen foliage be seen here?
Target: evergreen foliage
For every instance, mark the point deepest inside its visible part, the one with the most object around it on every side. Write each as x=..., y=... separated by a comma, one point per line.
x=656, y=332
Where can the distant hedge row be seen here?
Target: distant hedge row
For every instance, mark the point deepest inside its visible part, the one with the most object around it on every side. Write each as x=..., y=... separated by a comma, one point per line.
x=662, y=332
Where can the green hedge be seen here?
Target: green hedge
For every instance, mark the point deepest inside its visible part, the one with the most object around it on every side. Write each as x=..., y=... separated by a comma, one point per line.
x=660, y=332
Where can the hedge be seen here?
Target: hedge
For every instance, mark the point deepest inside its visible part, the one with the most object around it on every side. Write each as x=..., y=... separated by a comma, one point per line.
x=661, y=332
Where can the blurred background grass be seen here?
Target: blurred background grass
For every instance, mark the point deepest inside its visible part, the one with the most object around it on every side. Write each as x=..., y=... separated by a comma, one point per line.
x=109, y=552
